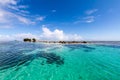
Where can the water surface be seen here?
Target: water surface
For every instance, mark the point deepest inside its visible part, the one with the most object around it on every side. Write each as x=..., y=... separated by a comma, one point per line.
x=37, y=61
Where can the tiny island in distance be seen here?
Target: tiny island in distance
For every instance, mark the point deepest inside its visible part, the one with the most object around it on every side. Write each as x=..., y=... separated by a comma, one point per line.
x=61, y=42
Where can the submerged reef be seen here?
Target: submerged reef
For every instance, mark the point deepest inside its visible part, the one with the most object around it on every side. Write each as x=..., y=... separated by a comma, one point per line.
x=85, y=47
x=16, y=58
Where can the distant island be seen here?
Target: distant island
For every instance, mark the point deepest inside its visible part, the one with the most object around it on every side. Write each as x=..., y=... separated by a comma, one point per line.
x=61, y=42
x=29, y=40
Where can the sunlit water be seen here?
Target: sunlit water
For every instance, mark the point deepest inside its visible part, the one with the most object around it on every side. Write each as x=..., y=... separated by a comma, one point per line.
x=37, y=61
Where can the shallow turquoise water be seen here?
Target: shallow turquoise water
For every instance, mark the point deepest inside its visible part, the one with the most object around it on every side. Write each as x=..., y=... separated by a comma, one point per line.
x=36, y=61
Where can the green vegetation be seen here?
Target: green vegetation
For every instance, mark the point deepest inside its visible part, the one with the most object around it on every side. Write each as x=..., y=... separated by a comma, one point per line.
x=33, y=40
x=29, y=40
x=62, y=42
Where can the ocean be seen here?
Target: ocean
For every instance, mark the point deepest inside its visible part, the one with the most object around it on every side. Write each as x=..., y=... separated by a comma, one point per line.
x=39, y=61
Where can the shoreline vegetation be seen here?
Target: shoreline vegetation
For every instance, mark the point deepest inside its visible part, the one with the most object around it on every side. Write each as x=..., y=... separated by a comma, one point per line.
x=60, y=42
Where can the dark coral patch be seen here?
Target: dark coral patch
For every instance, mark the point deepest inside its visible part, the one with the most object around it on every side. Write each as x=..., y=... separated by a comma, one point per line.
x=11, y=59
x=79, y=46
x=52, y=58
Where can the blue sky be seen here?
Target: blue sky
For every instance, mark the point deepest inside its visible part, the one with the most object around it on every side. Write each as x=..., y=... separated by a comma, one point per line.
x=60, y=19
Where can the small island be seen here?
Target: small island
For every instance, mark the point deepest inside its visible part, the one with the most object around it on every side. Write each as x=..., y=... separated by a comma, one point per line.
x=61, y=42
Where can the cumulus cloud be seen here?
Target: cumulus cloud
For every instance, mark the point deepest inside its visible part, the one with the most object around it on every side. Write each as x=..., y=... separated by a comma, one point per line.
x=52, y=35
x=19, y=37
x=47, y=34
x=58, y=35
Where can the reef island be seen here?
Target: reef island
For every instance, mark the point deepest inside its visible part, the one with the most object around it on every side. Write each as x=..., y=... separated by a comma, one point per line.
x=47, y=41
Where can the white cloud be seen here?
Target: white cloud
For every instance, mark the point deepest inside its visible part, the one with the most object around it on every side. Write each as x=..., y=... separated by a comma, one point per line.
x=19, y=8
x=23, y=6
x=20, y=37
x=5, y=27
x=9, y=17
x=5, y=38
x=58, y=35
x=3, y=17
x=89, y=19
x=24, y=35
x=47, y=34
x=13, y=13
x=89, y=12
x=24, y=20
x=41, y=18
x=5, y=2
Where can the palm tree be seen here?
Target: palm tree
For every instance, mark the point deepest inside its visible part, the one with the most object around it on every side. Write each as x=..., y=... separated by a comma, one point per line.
x=27, y=40
x=34, y=40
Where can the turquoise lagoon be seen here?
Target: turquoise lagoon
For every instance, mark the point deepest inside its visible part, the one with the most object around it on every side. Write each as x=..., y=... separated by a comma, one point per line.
x=37, y=61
